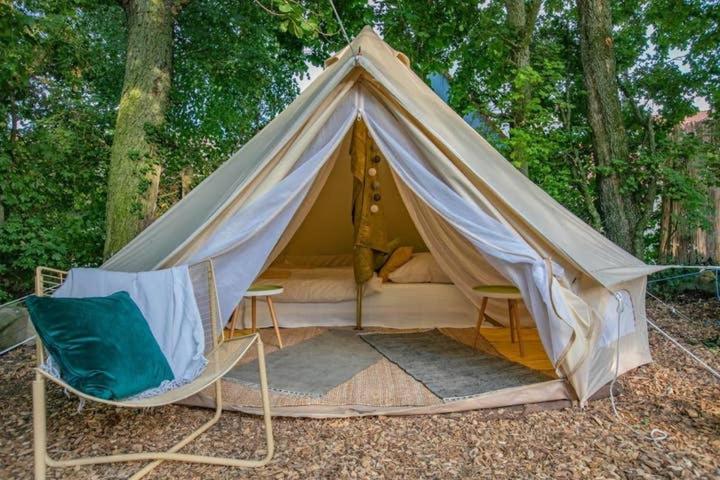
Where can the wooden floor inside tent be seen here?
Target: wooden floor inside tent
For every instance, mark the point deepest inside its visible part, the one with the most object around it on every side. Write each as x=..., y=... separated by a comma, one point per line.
x=384, y=385
x=535, y=356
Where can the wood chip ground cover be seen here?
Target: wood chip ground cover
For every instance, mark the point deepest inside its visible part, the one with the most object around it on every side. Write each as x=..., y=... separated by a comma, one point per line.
x=672, y=394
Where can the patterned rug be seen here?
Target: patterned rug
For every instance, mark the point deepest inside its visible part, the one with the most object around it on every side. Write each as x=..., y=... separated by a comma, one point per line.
x=450, y=369
x=313, y=367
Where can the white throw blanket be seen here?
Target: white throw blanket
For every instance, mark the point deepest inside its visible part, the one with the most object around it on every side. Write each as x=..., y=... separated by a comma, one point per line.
x=165, y=298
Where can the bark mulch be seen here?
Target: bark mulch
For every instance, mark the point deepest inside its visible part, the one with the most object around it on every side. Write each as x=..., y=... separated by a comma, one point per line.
x=672, y=394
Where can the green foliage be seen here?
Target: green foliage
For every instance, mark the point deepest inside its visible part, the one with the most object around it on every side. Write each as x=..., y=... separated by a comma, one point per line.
x=234, y=70
x=60, y=81
x=58, y=97
x=667, y=54
x=236, y=66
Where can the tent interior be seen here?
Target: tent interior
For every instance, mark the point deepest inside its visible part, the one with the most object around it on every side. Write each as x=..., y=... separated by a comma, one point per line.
x=313, y=261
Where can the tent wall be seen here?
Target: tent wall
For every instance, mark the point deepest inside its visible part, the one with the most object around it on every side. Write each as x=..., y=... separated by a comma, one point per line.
x=243, y=243
x=327, y=228
x=169, y=239
x=631, y=323
x=498, y=180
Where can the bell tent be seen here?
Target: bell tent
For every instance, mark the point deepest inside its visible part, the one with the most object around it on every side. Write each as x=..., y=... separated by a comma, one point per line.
x=368, y=154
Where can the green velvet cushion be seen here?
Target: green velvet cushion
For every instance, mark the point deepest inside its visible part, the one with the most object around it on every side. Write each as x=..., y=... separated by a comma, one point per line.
x=103, y=346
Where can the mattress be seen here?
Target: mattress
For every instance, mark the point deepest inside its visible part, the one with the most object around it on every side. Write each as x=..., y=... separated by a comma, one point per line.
x=318, y=285
x=412, y=305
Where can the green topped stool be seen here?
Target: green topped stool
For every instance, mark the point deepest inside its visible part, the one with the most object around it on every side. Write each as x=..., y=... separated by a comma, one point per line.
x=501, y=292
x=255, y=291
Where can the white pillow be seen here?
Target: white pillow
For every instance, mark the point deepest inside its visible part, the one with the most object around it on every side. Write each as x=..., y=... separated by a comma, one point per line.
x=422, y=268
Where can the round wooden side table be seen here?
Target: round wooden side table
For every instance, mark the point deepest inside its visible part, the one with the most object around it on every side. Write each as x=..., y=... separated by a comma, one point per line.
x=501, y=292
x=255, y=291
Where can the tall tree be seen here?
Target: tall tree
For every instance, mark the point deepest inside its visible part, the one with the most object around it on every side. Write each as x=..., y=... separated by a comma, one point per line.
x=135, y=163
x=134, y=168
x=521, y=18
x=610, y=144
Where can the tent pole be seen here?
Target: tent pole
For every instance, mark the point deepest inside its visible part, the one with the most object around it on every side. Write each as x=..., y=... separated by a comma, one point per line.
x=358, y=306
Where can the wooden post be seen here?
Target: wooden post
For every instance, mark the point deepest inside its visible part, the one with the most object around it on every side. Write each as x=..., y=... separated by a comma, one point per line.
x=358, y=307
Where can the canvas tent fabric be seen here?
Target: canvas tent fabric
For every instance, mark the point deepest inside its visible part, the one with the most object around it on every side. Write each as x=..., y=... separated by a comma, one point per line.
x=482, y=220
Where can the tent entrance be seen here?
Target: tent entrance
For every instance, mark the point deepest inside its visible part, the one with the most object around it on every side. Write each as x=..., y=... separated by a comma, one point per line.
x=316, y=254
x=327, y=227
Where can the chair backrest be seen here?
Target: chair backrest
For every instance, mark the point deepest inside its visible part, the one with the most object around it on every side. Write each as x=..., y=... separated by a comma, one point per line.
x=202, y=277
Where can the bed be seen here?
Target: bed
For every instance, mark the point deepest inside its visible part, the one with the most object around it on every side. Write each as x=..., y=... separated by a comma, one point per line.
x=390, y=305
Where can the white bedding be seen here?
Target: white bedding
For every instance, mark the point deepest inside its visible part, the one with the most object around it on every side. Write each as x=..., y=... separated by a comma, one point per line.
x=420, y=305
x=318, y=285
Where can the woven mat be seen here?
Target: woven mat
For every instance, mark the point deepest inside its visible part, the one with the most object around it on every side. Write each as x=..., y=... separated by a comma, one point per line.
x=450, y=369
x=384, y=384
x=314, y=367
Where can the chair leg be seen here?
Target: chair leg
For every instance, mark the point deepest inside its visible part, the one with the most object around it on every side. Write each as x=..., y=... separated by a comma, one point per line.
x=253, y=308
x=202, y=429
x=481, y=318
x=273, y=315
x=39, y=427
x=157, y=458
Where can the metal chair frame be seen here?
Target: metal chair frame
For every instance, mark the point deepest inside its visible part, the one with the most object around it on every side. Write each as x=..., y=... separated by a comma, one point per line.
x=223, y=356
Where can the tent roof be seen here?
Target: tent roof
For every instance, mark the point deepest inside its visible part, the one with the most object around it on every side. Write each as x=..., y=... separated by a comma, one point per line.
x=532, y=212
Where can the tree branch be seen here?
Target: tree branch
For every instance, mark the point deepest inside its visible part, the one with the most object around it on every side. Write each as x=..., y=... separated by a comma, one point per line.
x=258, y=3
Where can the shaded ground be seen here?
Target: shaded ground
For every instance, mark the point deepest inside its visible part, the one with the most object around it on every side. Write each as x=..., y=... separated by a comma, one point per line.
x=672, y=394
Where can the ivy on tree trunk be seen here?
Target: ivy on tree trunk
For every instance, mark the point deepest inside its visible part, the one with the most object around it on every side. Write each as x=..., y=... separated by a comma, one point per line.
x=134, y=165
x=606, y=121
x=521, y=19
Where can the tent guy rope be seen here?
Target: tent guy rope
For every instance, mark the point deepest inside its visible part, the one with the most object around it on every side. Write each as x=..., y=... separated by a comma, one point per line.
x=342, y=27
x=707, y=367
x=656, y=434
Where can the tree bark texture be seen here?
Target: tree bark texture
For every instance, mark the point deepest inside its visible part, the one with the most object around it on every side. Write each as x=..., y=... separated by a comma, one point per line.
x=520, y=20
x=134, y=168
x=606, y=120
x=688, y=245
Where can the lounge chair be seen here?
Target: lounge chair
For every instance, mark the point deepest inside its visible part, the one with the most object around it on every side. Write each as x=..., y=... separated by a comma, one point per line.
x=222, y=355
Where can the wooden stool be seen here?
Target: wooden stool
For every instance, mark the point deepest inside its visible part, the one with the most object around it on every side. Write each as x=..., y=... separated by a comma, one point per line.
x=254, y=292
x=502, y=292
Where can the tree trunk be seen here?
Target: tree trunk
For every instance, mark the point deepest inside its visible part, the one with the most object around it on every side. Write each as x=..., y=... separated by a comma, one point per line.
x=134, y=168
x=713, y=234
x=687, y=244
x=667, y=231
x=520, y=20
x=186, y=175
x=606, y=121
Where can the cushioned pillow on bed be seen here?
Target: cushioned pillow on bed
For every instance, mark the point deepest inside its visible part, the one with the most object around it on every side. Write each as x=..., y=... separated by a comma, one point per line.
x=103, y=346
x=422, y=268
x=399, y=257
